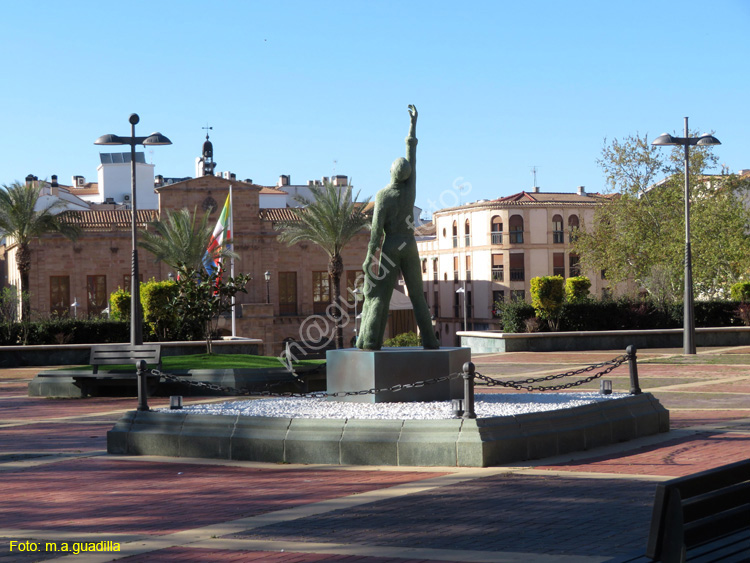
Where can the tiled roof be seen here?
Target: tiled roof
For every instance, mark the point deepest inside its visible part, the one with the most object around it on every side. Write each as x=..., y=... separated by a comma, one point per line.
x=426, y=230
x=272, y=191
x=289, y=213
x=535, y=199
x=108, y=220
x=279, y=214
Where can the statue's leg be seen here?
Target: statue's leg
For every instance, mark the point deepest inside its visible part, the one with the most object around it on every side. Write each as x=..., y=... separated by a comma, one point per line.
x=377, y=302
x=413, y=278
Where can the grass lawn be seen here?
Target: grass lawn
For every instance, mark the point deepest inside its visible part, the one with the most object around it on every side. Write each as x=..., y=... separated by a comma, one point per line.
x=211, y=361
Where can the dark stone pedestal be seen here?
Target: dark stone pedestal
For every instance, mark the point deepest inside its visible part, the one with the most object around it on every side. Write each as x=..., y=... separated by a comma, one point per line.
x=354, y=370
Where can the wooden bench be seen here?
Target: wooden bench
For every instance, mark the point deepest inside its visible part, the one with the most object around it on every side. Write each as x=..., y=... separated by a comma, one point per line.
x=703, y=517
x=118, y=354
x=93, y=382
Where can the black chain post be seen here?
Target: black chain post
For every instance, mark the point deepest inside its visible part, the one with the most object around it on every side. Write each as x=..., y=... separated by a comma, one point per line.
x=633, y=363
x=468, y=375
x=140, y=365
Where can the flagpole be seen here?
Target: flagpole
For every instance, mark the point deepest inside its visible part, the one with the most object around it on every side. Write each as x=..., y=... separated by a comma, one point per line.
x=231, y=260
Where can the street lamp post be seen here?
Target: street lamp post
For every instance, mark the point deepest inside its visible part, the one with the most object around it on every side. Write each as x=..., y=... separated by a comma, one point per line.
x=136, y=329
x=357, y=293
x=463, y=291
x=666, y=139
x=267, y=275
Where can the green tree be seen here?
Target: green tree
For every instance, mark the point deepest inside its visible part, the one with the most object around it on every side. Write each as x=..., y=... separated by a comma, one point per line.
x=202, y=297
x=577, y=289
x=330, y=220
x=547, y=296
x=23, y=217
x=180, y=239
x=640, y=234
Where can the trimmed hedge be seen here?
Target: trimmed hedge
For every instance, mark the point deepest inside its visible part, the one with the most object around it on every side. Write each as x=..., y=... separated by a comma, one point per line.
x=64, y=331
x=624, y=315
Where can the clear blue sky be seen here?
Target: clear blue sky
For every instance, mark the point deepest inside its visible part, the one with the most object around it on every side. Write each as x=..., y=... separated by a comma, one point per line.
x=308, y=88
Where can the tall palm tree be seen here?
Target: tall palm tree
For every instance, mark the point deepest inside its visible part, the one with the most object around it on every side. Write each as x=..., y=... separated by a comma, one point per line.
x=21, y=222
x=180, y=239
x=330, y=220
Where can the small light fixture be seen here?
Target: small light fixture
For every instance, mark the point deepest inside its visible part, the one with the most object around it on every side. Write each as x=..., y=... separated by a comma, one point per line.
x=175, y=402
x=457, y=406
x=605, y=387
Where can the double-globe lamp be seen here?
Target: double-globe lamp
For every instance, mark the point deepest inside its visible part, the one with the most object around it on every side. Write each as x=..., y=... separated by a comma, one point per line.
x=689, y=316
x=136, y=330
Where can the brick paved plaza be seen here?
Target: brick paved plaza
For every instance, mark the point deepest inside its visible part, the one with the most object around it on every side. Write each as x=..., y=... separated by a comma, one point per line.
x=59, y=486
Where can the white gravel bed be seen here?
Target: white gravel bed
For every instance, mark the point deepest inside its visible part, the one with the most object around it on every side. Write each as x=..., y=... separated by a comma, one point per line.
x=486, y=406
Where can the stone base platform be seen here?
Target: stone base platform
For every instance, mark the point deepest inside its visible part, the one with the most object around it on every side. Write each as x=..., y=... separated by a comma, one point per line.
x=480, y=442
x=354, y=370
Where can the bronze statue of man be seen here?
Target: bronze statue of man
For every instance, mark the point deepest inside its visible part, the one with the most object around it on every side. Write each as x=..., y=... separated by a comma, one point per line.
x=393, y=226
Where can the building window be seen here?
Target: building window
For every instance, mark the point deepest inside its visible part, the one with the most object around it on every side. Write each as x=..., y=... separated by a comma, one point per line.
x=558, y=236
x=468, y=268
x=455, y=268
x=516, y=229
x=435, y=270
x=455, y=235
x=573, y=226
x=575, y=265
x=469, y=306
x=59, y=295
x=497, y=268
x=424, y=265
x=517, y=295
x=497, y=230
x=436, y=303
x=457, y=305
x=321, y=292
x=498, y=298
x=354, y=279
x=287, y=293
x=96, y=294
x=467, y=234
x=558, y=264
x=517, y=271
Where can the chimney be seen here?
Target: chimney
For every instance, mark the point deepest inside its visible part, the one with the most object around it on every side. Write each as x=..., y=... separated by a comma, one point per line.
x=248, y=180
x=283, y=180
x=581, y=190
x=325, y=179
x=53, y=183
x=158, y=181
x=535, y=189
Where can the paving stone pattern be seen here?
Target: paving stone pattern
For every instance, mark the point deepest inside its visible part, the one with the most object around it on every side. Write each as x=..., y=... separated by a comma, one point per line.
x=57, y=483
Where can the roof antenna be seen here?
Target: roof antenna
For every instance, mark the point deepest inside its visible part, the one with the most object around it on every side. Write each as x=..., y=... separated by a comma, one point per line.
x=533, y=173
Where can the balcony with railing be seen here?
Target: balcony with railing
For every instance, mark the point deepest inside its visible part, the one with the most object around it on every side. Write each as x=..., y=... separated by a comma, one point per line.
x=455, y=241
x=467, y=240
x=558, y=237
x=517, y=274
x=498, y=273
x=497, y=237
x=455, y=275
x=516, y=237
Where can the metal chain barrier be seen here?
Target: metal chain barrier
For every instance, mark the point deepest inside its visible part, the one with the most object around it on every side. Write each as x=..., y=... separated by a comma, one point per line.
x=313, y=395
x=527, y=384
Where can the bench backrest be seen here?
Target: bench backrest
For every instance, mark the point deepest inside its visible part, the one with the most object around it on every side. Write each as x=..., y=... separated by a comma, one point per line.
x=692, y=510
x=113, y=354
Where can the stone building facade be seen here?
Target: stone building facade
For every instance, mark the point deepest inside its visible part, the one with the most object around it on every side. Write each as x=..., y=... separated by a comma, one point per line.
x=87, y=271
x=488, y=251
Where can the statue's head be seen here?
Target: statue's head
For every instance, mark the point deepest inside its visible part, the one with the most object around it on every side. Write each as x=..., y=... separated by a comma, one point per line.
x=400, y=170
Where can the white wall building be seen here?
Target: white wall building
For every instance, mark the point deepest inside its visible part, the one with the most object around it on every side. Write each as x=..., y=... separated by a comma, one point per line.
x=491, y=249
